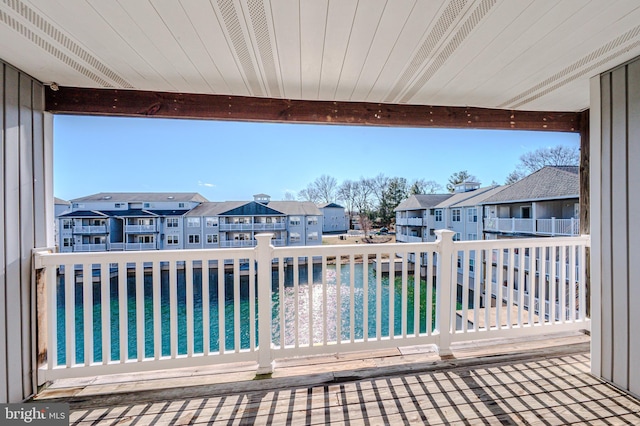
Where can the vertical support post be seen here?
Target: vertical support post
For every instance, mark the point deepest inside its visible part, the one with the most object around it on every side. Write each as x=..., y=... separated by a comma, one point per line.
x=553, y=226
x=513, y=224
x=573, y=227
x=444, y=288
x=263, y=256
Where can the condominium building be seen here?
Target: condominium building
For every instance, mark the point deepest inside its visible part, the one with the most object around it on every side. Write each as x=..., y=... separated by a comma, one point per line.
x=147, y=221
x=545, y=203
x=334, y=218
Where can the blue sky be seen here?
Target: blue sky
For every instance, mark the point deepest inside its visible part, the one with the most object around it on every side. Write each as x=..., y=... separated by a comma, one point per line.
x=232, y=161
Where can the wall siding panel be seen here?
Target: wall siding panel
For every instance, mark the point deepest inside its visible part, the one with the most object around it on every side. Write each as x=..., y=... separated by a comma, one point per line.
x=606, y=290
x=633, y=118
x=616, y=269
x=22, y=193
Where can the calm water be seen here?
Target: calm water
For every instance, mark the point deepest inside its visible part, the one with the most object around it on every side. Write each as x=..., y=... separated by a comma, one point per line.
x=287, y=299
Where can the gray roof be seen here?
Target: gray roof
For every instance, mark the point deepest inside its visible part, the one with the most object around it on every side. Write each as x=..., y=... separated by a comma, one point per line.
x=148, y=197
x=479, y=197
x=330, y=205
x=60, y=201
x=550, y=182
x=422, y=201
x=460, y=197
x=306, y=208
x=215, y=208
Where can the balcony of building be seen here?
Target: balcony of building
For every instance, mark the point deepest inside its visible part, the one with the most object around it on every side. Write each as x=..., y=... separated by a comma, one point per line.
x=402, y=238
x=548, y=227
x=345, y=343
x=411, y=221
x=139, y=229
x=89, y=229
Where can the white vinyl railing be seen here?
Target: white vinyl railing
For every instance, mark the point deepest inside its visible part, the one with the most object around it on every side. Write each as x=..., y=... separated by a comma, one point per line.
x=553, y=226
x=87, y=229
x=122, y=312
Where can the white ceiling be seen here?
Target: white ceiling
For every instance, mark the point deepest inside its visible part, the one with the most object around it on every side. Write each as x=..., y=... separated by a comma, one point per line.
x=513, y=54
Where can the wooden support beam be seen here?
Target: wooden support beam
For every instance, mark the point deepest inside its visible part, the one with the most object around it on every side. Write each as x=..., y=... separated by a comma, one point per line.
x=135, y=103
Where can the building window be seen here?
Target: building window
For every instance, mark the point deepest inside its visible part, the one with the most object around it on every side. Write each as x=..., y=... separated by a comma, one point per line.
x=312, y=220
x=146, y=205
x=312, y=236
x=438, y=215
x=210, y=221
x=66, y=224
x=294, y=221
x=118, y=205
x=472, y=263
x=294, y=237
x=181, y=205
x=472, y=237
x=67, y=242
x=455, y=215
x=193, y=222
x=172, y=222
x=456, y=236
x=472, y=215
x=172, y=240
x=194, y=239
x=212, y=239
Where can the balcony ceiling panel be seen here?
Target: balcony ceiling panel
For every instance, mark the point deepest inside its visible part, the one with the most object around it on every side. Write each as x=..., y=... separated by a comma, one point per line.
x=512, y=54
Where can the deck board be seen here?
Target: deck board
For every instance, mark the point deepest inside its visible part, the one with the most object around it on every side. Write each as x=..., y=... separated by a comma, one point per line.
x=520, y=382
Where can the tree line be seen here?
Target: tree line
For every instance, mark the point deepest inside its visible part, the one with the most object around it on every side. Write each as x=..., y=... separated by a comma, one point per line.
x=375, y=198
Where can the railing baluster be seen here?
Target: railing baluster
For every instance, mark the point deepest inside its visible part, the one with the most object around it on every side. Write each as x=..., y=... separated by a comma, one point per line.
x=429, y=301
x=488, y=284
x=252, y=305
x=323, y=281
x=510, y=285
x=464, y=263
x=352, y=305
x=206, y=308
x=173, y=308
x=52, y=317
x=281, y=298
x=70, y=314
x=572, y=284
x=404, y=296
x=562, y=283
x=378, y=296
x=87, y=311
x=365, y=297
x=338, y=300
x=123, y=312
x=296, y=302
x=552, y=284
x=105, y=312
x=499, y=281
x=310, y=290
x=188, y=275
x=477, y=279
x=157, y=309
x=392, y=290
x=236, y=305
x=542, y=283
x=140, y=340
x=416, y=293
x=583, y=280
x=222, y=303
x=521, y=286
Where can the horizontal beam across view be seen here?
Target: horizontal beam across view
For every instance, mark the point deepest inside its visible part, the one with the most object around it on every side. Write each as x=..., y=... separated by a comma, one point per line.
x=136, y=103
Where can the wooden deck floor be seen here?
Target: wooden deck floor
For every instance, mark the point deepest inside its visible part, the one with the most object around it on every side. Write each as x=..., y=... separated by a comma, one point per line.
x=543, y=381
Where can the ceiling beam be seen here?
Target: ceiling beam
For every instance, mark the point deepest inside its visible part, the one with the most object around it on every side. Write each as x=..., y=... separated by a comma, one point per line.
x=135, y=103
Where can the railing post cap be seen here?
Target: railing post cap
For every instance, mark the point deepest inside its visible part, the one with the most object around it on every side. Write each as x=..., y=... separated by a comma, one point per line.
x=264, y=237
x=444, y=234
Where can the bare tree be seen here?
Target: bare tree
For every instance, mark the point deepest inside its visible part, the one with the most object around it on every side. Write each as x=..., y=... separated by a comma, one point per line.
x=364, y=189
x=421, y=186
x=459, y=177
x=309, y=194
x=288, y=196
x=326, y=188
x=560, y=155
x=347, y=195
x=380, y=184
